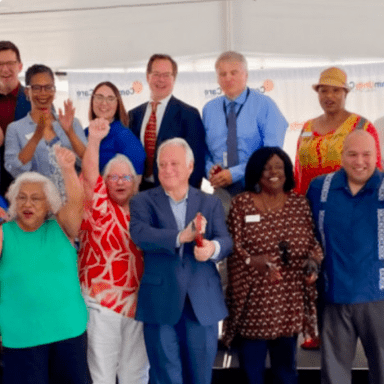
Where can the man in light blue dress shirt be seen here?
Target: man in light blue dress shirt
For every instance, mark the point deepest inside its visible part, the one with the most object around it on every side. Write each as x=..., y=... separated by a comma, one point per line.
x=259, y=123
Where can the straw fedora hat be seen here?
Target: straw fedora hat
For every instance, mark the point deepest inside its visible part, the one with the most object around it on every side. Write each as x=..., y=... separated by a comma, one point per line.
x=334, y=77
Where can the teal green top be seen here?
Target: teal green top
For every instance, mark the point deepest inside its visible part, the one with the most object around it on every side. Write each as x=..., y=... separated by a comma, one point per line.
x=40, y=296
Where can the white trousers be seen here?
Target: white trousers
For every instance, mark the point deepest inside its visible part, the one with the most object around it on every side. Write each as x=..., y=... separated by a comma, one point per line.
x=115, y=347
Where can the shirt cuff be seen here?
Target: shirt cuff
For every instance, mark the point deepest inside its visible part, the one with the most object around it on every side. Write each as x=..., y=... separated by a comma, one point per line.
x=216, y=254
x=178, y=240
x=237, y=173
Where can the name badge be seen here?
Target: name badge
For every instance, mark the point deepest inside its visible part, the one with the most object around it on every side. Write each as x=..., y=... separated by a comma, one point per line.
x=252, y=218
x=306, y=134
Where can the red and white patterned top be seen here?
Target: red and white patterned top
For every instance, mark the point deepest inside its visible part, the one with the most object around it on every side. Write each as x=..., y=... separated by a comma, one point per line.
x=111, y=266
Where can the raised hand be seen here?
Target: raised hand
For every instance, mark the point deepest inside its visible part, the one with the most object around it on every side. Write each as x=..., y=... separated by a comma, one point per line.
x=98, y=128
x=66, y=117
x=65, y=158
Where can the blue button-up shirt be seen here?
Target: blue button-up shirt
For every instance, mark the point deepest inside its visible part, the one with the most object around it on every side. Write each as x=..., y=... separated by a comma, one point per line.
x=259, y=124
x=351, y=228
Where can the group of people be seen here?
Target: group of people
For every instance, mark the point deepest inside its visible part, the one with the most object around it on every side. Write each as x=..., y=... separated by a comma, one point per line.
x=141, y=297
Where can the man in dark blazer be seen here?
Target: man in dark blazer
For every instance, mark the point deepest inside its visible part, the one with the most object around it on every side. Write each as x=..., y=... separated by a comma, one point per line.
x=180, y=297
x=13, y=102
x=173, y=119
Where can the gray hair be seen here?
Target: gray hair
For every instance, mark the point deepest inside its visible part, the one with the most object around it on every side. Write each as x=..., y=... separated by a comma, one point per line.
x=232, y=56
x=51, y=192
x=117, y=159
x=177, y=142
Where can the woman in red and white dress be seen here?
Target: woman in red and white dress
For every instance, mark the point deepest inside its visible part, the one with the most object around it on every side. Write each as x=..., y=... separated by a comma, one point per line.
x=111, y=267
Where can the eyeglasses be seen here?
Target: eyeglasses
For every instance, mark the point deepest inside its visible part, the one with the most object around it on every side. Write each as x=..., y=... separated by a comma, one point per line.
x=8, y=64
x=165, y=75
x=116, y=178
x=107, y=99
x=38, y=88
x=35, y=200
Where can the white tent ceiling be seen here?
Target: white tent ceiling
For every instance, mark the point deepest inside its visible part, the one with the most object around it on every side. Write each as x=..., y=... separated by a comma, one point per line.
x=86, y=34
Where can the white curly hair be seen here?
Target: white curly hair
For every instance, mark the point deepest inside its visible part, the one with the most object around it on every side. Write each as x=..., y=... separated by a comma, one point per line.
x=51, y=192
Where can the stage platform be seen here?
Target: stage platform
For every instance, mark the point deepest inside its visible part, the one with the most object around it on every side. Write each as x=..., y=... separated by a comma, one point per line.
x=308, y=366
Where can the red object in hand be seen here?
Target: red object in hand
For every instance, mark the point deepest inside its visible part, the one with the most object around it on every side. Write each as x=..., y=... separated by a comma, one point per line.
x=199, y=223
x=216, y=169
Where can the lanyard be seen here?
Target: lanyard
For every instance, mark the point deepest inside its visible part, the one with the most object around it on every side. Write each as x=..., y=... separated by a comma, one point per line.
x=238, y=112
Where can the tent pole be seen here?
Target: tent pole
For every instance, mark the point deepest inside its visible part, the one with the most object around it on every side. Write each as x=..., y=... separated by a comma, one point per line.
x=228, y=12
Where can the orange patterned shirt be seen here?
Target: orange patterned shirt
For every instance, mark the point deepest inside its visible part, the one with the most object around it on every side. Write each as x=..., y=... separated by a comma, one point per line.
x=111, y=266
x=320, y=154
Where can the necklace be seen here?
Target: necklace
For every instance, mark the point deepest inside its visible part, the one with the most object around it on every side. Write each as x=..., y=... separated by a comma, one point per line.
x=276, y=206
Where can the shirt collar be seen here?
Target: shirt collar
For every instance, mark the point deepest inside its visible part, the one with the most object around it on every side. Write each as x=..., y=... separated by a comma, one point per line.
x=13, y=94
x=15, y=91
x=239, y=99
x=180, y=201
x=163, y=101
x=341, y=181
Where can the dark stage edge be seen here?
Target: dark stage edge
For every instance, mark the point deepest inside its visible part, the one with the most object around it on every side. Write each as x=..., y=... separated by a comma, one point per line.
x=308, y=366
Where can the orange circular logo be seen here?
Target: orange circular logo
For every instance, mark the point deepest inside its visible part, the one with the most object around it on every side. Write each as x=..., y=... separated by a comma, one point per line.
x=137, y=86
x=268, y=85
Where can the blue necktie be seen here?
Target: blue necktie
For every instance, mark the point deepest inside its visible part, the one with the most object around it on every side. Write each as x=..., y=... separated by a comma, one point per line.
x=232, y=158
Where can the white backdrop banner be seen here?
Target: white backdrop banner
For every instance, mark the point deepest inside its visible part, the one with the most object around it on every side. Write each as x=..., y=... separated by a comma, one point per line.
x=291, y=89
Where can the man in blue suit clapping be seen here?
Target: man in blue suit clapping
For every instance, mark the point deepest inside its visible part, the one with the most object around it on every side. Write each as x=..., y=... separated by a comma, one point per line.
x=180, y=297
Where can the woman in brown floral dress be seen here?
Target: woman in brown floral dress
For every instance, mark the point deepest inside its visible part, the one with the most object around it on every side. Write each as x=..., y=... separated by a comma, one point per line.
x=271, y=295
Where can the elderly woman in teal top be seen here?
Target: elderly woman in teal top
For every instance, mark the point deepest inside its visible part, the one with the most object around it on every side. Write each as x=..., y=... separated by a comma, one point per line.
x=42, y=313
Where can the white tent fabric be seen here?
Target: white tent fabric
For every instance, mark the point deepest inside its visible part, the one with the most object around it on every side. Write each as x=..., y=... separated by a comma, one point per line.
x=120, y=35
x=123, y=33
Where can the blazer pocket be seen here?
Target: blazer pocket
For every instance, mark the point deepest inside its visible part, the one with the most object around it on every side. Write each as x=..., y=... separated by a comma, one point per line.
x=152, y=279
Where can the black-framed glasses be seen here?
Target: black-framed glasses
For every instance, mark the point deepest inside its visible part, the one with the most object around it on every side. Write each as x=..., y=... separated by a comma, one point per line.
x=284, y=252
x=39, y=88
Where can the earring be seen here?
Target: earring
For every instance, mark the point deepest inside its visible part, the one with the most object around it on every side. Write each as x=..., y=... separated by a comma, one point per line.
x=257, y=188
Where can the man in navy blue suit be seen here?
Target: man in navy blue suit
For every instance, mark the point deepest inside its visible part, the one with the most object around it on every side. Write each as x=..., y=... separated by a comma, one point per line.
x=170, y=117
x=180, y=297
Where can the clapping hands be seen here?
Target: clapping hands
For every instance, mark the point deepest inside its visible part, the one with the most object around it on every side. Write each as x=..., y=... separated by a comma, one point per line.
x=66, y=117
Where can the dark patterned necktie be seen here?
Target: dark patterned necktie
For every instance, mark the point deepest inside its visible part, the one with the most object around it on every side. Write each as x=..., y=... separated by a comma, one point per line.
x=150, y=140
x=232, y=158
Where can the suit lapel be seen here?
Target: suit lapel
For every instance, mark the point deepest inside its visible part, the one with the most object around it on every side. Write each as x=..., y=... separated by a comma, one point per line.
x=141, y=114
x=167, y=120
x=164, y=210
x=192, y=205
